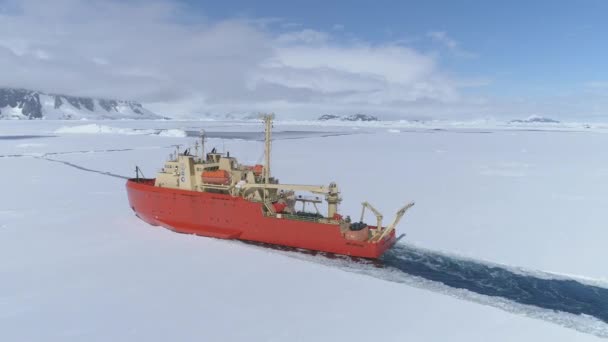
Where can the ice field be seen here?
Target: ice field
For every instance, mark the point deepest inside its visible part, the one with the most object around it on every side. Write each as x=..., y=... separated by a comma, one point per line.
x=520, y=205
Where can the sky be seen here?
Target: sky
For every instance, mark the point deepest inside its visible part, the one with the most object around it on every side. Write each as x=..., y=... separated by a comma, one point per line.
x=301, y=59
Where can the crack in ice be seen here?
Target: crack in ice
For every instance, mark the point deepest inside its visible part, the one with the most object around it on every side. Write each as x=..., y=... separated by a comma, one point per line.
x=105, y=173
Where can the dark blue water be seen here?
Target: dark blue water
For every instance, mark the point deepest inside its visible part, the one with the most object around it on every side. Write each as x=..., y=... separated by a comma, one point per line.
x=565, y=295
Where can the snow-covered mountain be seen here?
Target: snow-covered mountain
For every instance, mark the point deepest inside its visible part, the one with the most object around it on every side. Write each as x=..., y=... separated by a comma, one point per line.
x=535, y=119
x=31, y=104
x=352, y=117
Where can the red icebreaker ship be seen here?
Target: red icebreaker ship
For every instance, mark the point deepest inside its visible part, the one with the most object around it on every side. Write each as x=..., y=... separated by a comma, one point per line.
x=215, y=196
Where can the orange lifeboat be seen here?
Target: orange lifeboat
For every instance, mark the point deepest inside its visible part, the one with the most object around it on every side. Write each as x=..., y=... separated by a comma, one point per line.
x=257, y=169
x=220, y=177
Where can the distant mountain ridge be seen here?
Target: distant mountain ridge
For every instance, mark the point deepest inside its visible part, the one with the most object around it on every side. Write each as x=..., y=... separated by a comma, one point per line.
x=256, y=115
x=352, y=117
x=27, y=104
x=535, y=119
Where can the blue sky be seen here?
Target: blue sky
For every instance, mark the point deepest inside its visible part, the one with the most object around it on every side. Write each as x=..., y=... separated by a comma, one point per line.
x=399, y=59
x=539, y=47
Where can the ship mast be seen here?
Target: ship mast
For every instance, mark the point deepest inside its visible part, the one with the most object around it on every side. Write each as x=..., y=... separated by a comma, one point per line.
x=202, y=145
x=268, y=135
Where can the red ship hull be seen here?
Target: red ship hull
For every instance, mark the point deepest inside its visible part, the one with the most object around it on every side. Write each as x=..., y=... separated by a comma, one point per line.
x=227, y=217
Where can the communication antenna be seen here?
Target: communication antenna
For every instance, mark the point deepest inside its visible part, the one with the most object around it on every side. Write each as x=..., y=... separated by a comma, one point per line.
x=177, y=150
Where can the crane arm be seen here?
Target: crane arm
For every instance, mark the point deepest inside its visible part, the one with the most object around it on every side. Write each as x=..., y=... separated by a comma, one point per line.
x=398, y=217
x=374, y=210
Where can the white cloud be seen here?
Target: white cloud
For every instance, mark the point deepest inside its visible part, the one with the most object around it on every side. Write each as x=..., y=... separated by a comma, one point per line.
x=449, y=43
x=357, y=74
x=162, y=54
x=443, y=38
x=307, y=36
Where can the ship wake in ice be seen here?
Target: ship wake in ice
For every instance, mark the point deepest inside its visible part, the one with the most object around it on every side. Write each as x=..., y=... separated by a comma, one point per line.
x=562, y=300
